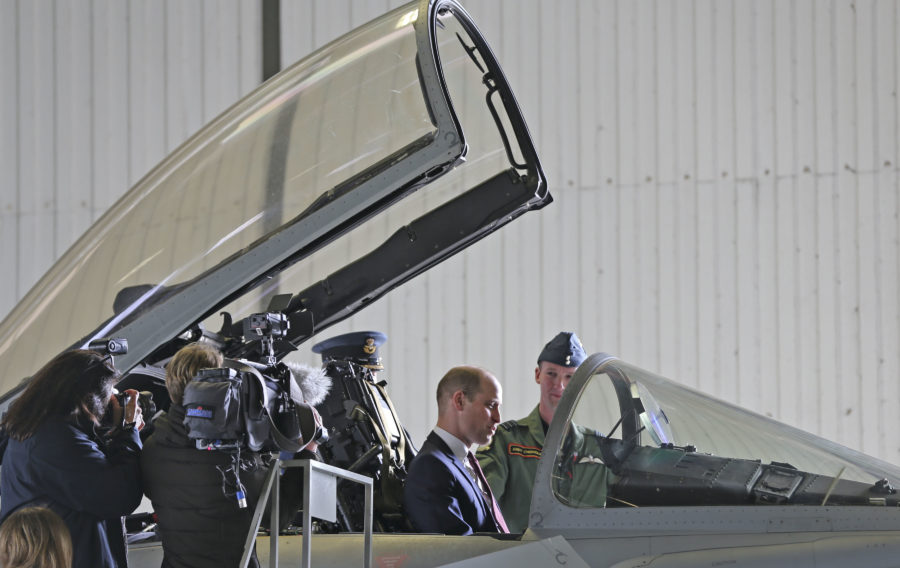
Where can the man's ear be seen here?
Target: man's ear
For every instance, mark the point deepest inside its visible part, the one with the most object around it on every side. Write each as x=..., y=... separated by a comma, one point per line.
x=537, y=374
x=458, y=400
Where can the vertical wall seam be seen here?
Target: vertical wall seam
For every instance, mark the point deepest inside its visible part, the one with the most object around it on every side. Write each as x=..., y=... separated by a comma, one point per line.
x=817, y=263
x=18, y=173
x=776, y=204
x=696, y=189
x=876, y=227
x=204, y=110
x=618, y=169
x=657, y=187
x=129, y=129
x=541, y=224
x=857, y=261
x=894, y=160
x=636, y=193
x=92, y=146
x=165, y=77
x=798, y=304
x=838, y=359
x=755, y=167
x=55, y=209
x=579, y=246
x=677, y=219
x=738, y=321
x=717, y=264
x=676, y=188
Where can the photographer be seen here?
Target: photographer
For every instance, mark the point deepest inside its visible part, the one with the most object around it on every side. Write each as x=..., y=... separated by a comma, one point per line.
x=194, y=493
x=58, y=458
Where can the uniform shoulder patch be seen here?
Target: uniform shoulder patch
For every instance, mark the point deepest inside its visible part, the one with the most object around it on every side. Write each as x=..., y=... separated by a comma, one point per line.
x=511, y=425
x=523, y=451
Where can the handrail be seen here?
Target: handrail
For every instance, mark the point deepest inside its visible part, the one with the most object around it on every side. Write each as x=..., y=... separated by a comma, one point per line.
x=319, y=502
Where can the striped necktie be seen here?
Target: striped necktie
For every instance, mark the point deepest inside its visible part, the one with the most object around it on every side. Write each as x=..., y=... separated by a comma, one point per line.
x=488, y=494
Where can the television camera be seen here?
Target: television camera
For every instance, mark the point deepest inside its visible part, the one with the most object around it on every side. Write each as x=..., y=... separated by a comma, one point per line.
x=250, y=405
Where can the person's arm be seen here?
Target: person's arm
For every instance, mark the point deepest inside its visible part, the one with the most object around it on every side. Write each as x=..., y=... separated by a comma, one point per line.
x=80, y=475
x=429, y=498
x=495, y=464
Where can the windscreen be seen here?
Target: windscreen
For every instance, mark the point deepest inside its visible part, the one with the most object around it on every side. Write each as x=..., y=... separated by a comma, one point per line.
x=641, y=440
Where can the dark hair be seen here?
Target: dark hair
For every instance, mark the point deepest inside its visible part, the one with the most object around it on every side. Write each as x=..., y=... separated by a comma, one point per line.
x=35, y=537
x=74, y=384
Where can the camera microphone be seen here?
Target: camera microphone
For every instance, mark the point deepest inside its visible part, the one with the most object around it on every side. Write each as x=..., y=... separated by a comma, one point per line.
x=109, y=346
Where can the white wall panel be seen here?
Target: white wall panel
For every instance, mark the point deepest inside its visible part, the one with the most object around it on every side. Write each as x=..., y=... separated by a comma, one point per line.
x=725, y=176
x=9, y=155
x=184, y=114
x=109, y=132
x=146, y=77
x=37, y=123
x=99, y=92
x=72, y=98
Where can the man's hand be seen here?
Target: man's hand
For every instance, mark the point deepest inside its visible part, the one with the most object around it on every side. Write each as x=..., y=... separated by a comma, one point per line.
x=131, y=415
x=313, y=445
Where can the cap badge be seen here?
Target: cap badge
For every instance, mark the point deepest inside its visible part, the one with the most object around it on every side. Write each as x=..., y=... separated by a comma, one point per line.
x=568, y=360
x=369, y=347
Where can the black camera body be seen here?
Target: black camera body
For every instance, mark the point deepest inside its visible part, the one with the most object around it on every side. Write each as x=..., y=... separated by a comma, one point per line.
x=144, y=402
x=109, y=346
x=119, y=346
x=241, y=407
x=271, y=324
x=246, y=404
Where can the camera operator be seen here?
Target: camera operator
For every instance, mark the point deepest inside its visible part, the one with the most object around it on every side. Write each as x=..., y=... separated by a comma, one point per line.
x=58, y=455
x=200, y=520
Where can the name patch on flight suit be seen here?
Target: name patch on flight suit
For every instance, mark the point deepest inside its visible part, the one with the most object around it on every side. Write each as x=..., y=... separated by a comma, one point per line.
x=514, y=449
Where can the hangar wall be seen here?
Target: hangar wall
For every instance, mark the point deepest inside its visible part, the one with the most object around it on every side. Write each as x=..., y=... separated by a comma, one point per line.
x=725, y=176
x=95, y=93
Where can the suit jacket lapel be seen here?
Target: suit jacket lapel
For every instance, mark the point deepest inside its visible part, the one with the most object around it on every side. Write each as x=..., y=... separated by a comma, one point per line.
x=462, y=472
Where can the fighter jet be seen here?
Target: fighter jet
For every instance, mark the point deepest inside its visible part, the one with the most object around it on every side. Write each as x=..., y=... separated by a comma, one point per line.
x=342, y=178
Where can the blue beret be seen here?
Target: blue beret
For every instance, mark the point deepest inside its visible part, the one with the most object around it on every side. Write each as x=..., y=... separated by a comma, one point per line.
x=359, y=347
x=565, y=349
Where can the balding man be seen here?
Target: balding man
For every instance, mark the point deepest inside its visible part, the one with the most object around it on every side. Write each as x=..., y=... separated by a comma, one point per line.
x=446, y=491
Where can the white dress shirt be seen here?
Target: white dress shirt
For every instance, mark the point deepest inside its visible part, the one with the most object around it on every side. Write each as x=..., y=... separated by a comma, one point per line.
x=461, y=451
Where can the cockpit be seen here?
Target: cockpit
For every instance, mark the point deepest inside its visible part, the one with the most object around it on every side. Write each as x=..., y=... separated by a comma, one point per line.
x=635, y=439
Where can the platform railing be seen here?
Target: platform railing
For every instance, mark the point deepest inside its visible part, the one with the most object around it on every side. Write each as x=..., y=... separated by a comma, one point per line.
x=319, y=501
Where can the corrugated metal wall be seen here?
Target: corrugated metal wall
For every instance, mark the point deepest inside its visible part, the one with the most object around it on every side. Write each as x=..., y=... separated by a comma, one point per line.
x=725, y=175
x=94, y=93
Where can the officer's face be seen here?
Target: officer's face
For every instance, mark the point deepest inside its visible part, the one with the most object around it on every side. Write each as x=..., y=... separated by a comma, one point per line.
x=553, y=380
x=482, y=414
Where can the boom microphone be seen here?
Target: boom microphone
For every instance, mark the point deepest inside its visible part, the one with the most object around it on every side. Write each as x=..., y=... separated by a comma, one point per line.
x=309, y=384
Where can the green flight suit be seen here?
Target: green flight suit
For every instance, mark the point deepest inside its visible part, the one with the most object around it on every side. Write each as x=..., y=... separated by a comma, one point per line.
x=510, y=462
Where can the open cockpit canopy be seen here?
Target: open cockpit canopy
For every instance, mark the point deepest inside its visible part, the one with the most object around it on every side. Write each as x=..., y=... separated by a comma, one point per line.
x=297, y=190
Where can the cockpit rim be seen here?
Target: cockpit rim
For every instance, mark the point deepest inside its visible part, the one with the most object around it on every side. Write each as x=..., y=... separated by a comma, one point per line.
x=548, y=512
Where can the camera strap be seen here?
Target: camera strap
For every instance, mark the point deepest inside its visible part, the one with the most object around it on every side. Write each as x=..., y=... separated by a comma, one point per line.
x=281, y=440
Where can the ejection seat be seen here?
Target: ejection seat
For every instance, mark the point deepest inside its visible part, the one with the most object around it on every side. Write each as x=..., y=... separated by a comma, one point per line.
x=365, y=437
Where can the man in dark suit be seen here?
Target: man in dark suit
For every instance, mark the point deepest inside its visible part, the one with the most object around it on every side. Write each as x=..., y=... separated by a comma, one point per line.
x=445, y=490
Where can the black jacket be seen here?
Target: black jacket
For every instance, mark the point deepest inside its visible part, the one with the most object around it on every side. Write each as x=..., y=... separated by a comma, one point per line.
x=441, y=497
x=65, y=466
x=199, y=525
